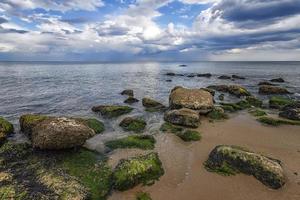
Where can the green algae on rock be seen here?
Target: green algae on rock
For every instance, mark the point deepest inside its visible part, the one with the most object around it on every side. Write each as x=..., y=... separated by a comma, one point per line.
x=29, y=121
x=143, y=196
x=131, y=100
x=254, y=101
x=94, y=124
x=133, y=141
x=152, y=106
x=217, y=114
x=6, y=128
x=278, y=102
x=184, y=134
x=277, y=122
x=137, y=170
x=111, y=111
x=185, y=117
x=168, y=127
x=133, y=124
x=257, y=112
x=230, y=160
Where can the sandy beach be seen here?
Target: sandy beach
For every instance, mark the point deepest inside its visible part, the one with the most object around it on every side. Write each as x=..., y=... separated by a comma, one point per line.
x=186, y=178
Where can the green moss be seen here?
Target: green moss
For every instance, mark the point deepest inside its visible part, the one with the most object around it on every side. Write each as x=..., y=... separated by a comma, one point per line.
x=216, y=114
x=277, y=122
x=11, y=151
x=189, y=135
x=257, y=113
x=133, y=124
x=224, y=169
x=143, y=196
x=112, y=111
x=9, y=192
x=228, y=108
x=5, y=126
x=232, y=107
x=96, y=125
x=141, y=169
x=133, y=141
x=92, y=170
x=279, y=102
x=27, y=122
x=254, y=101
x=168, y=127
x=243, y=104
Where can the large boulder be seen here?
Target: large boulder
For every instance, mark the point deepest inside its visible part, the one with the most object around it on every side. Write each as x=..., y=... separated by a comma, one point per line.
x=133, y=171
x=196, y=99
x=6, y=128
x=269, y=89
x=291, y=111
x=60, y=133
x=110, y=111
x=183, y=117
x=235, y=90
x=229, y=160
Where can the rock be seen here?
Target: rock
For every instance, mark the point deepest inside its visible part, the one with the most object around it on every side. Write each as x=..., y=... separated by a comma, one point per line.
x=206, y=75
x=168, y=80
x=211, y=91
x=131, y=100
x=268, y=89
x=29, y=121
x=254, y=101
x=133, y=124
x=6, y=128
x=232, y=159
x=224, y=77
x=235, y=90
x=277, y=121
x=182, y=65
x=127, y=92
x=152, y=104
x=278, y=102
x=221, y=97
x=94, y=124
x=145, y=142
x=191, y=75
x=238, y=77
x=183, y=117
x=60, y=133
x=196, y=99
x=217, y=113
x=291, y=111
x=170, y=74
x=277, y=80
x=133, y=171
x=266, y=83
x=111, y=111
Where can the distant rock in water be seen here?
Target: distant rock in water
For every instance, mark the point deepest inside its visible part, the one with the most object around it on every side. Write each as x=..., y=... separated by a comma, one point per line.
x=224, y=77
x=183, y=117
x=277, y=80
x=268, y=89
x=206, y=75
x=195, y=99
x=191, y=75
x=168, y=80
x=230, y=160
x=170, y=74
x=183, y=65
x=266, y=83
x=111, y=111
x=238, y=77
x=131, y=100
x=127, y=92
x=291, y=111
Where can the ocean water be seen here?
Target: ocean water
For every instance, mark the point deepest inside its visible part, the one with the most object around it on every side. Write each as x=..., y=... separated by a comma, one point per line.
x=71, y=89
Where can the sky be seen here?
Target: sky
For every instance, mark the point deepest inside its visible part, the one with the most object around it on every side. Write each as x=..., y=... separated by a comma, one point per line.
x=149, y=30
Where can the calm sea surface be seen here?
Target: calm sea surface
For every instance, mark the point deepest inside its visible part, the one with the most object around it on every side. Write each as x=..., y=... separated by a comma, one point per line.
x=71, y=89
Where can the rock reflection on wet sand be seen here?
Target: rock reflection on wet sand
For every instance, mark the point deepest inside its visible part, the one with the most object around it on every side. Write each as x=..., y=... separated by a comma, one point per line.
x=186, y=178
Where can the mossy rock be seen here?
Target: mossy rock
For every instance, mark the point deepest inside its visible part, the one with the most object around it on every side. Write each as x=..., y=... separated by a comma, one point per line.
x=133, y=124
x=91, y=169
x=217, y=114
x=254, y=101
x=278, y=102
x=257, y=112
x=111, y=111
x=29, y=121
x=183, y=117
x=131, y=100
x=95, y=124
x=230, y=160
x=168, y=127
x=152, y=105
x=6, y=128
x=137, y=170
x=143, y=196
x=189, y=135
x=11, y=152
x=134, y=141
x=277, y=122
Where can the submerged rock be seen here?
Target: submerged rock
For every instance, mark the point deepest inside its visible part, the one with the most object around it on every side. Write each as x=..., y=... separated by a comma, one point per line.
x=238, y=77
x=224, y=77
x=266, y=83
x=131, y=100
x=111, y=111
x=127, y=92
x=6, y=128
x=291, y=111
x=268, y=89
x=184, y=117
x=133, y=171
x=221, y=97
x=152, y=105
x=196, y=99
x=254, y=101
x=133, y=124
x=278, y=80
x=206, y=75
x=232, y=159
x=60, y=133
x=278, y=102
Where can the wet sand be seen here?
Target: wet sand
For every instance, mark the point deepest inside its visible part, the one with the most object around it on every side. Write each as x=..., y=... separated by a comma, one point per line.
x=186, y=179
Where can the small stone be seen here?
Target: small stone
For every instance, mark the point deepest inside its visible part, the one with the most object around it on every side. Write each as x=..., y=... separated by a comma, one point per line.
x=127, y=92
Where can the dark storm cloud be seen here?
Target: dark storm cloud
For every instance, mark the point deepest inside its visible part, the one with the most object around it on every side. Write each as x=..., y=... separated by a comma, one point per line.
x=257, y=10
x=3, y=20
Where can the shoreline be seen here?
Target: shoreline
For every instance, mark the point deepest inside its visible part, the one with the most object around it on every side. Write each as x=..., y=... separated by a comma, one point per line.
x=185, y=175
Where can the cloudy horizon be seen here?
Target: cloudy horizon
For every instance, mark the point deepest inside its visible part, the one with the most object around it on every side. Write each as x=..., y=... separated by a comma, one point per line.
x=143, y=30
